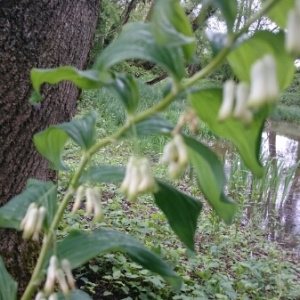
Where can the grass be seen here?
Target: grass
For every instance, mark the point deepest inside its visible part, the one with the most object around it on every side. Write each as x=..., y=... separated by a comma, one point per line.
x=232, y=262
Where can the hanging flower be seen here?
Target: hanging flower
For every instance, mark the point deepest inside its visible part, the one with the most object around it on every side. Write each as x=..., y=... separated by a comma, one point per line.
x=93, y=203
x=292, y=40
x=240, y=110
x=225, y=110
x=176, y=156
x=63, y=277
x=138, y=178
x=32, y=222
x=264, y=84
x=80, y=192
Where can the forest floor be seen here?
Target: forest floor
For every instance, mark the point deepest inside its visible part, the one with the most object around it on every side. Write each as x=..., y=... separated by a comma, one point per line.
x=231, y=262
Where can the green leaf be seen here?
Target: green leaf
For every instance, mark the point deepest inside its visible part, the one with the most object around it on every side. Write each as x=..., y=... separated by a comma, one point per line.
x=172, y=28
x=43, y=193
x=228, y=9
x=50, y=144
x=181, y=210
x=102, y=173
x=261, y=43
x=153, y=125
x=126, y=89
x=136, y=41
x=89, y=245
x=211, y=179
x=279, y=12
x=82, y=131
x=247, y=138
x=75, y=295
x=8, y=287
x=90, y=79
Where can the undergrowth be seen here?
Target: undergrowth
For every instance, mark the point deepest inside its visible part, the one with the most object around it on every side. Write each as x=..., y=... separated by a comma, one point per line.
x=232, y=262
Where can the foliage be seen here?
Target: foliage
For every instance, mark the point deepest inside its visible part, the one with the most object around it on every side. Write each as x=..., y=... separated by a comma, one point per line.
x=168, y=42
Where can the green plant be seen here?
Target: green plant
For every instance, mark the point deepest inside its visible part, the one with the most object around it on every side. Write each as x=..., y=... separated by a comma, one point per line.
x=167, y=41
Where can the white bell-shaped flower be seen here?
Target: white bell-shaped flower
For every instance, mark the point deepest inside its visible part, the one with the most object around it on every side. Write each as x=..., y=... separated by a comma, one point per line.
x=176, y=156
x=264, y=84
x=240, y=110
x=138, y=178
x=51, y=275
x=93, y=203
x=226, y=108
x=292, y=39
x=80, y=192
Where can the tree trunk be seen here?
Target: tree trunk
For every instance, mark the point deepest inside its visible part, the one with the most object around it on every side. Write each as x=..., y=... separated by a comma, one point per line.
x=42, y=34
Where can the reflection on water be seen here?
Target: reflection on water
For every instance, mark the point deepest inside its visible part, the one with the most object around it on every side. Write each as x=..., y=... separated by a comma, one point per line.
x=279, y=205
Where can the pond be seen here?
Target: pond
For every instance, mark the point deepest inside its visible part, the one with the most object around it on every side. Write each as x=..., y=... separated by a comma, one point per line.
x=274, y=202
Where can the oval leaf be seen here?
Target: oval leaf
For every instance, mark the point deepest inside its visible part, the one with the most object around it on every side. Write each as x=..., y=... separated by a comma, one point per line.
x=43, y=193
x=172, y=28
x=82, y=131
x=247, y=139
x=75, y=295
x=103, y=173
x=279, y=12
x=90, y=79
x=136, y=41
x=211, y=179
x=50, y=144
x=254, y=48
x=8, y=287
x=126, y=89
x=89, y=245
x=181, y=210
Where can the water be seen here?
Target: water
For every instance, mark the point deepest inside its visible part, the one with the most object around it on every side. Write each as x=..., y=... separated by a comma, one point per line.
x=277, y=207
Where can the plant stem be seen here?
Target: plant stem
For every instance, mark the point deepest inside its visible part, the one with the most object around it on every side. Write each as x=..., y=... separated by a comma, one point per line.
x=166, y=101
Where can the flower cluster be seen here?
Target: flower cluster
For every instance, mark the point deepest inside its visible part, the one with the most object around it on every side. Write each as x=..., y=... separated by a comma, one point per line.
x=93, y=202
x=175, y=155
x=292, y=40
x=33, y=221
x=138, y=178
x=63, y=276
x=238, y=100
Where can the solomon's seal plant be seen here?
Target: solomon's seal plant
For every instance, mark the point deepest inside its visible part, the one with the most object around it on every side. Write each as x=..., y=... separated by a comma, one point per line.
x=263, y=67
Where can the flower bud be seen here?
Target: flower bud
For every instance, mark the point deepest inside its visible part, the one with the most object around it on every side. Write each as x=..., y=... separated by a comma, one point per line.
x=39, y=296
x=89, y=194
x=30, y=224
x=148, y=183
x=181, y=149
x=135, y=175
x=258, y=93
x=292, y=40
x=67, y=269
x=62, y=282
x=30, y=207
x=272, y=88
x=170, y=153
x=98, y=211
x=174, y=170
x=50, y=280
x=39, y=223
x=53, y=296
x=125, y=184
x=79, y=195
x=228, y=100
x=242, y=93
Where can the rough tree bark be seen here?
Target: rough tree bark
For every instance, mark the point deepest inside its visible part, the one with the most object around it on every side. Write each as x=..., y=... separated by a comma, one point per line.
x=43, y=34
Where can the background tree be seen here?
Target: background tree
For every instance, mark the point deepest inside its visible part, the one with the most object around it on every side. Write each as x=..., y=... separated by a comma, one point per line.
x=41, y=34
